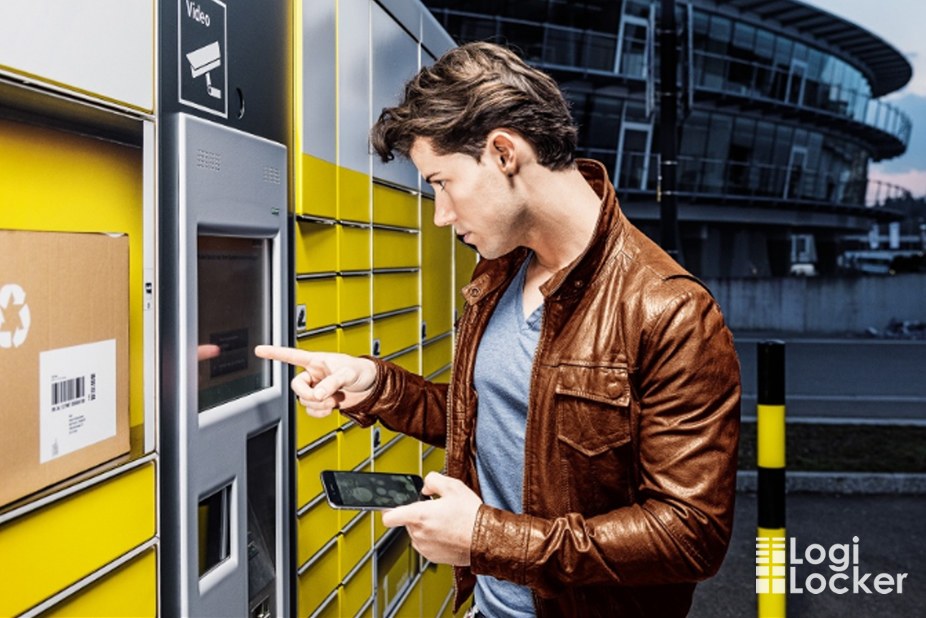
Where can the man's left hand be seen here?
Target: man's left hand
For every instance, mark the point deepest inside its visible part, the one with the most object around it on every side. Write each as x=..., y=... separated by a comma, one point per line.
x=441, y=529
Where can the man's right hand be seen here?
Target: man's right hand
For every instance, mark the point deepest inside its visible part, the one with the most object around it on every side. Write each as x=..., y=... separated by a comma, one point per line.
x=329, y=380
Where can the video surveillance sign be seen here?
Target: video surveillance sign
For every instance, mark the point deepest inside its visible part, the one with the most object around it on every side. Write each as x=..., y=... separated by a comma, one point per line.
x=203, y=57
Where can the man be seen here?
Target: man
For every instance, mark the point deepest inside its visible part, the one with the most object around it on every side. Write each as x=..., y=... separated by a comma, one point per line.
x=592, y=420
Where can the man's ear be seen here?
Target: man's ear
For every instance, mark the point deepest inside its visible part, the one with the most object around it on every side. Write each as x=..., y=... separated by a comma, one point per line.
x=503, y=150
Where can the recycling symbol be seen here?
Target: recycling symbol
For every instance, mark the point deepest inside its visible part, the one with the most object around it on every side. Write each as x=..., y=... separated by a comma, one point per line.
x=14, y=316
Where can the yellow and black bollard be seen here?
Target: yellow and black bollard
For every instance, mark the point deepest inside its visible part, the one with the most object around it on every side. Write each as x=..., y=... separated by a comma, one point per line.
x=771, y=543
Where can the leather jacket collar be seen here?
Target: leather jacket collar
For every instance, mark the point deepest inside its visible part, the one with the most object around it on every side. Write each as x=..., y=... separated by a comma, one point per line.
x=571, y=279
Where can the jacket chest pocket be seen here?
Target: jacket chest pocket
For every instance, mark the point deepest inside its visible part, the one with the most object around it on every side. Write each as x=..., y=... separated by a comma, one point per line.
x=592, y=405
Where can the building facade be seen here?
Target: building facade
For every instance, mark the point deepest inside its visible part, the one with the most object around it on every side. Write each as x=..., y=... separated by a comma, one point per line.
x=779, y=117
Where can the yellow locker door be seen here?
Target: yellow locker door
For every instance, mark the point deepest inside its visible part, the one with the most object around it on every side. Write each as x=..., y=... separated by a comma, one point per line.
x=130, y=590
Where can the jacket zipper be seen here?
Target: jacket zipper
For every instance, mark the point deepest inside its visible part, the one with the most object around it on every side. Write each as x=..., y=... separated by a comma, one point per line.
x=527, y=423
x=453, y=366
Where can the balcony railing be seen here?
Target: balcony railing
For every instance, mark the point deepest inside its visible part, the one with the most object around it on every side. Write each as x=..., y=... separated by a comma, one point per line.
x=722, y=178
x=880, y=193
x=759, y=81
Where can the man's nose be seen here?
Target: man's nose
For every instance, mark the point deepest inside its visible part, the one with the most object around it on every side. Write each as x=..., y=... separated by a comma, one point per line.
x=443, y=213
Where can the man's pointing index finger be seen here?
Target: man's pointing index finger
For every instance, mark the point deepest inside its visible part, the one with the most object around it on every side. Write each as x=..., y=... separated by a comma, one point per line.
x=292, y=356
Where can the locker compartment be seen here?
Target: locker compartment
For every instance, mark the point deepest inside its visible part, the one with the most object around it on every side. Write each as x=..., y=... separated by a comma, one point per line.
x=319, y=296
x=356, y=541
x=318, y=581
x=409, y=360
x=354, y=446
x=358, y=590
x=395, y=290
x=437, y=286
x=395, y=248
x=448, y=608
x=394, y=207
x=317, y=195
x=353, y=196
x=309, y=429
x=443, y=377
x=438, y=240
x=383, y=436
x=353, y=298
x=315, y=527
x=331, y=606
x=355, y=340
x=352, y=44
x=354, y=248
x=396, y=332
x=436, y=585
x=393, y=60
x=410, y=606
x=367, y=612
x=315, y=247
x=436, y=310
x=101, y=184
x=309, y=466
x=403, y=456
x=464, y=263
x=436, y=355
x=396, y=567
x=41, y=553
x=432, y=461
x=130, y=590
x=326, y=341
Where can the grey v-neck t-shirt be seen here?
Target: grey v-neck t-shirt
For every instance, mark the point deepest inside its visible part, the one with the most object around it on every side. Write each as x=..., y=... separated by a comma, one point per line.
x=504, y=363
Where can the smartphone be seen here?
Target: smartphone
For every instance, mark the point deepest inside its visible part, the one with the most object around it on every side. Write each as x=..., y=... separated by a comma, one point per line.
x=370, y=490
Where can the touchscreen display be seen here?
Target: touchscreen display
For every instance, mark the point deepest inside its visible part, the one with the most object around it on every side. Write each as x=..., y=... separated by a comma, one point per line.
x=234, y=316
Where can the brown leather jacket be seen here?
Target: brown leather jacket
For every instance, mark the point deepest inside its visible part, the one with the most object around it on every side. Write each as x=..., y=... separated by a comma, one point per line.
x=632, y=429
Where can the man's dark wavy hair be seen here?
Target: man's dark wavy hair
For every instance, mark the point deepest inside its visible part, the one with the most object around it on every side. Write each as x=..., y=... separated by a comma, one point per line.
x=470, y=91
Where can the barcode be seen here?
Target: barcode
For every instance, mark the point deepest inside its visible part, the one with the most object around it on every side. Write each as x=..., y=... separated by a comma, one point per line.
x=67, y=390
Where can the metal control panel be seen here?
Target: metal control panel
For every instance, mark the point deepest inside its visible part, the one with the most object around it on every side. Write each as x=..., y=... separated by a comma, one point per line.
x=224, y=412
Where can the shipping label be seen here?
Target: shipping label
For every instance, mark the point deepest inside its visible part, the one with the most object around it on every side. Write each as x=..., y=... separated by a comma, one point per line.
x=77, y=398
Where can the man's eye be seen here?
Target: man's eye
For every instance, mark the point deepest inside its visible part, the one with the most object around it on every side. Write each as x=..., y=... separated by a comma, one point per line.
x=440, y=183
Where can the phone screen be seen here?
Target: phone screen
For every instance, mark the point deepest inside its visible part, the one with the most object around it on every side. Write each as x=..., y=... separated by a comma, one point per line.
x=370, y=490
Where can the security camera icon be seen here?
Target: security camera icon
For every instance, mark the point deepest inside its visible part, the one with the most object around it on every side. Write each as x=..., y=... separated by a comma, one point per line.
x=202, y=61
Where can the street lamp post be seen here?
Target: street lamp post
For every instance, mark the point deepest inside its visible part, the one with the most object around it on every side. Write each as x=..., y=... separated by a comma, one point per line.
x=668, y=130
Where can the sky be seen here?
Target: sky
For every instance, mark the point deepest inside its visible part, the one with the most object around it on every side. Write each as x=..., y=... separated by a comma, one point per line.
x=902, y=24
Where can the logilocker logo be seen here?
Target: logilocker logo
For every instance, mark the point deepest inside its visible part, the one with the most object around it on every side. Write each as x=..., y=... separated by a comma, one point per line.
x=779, y=561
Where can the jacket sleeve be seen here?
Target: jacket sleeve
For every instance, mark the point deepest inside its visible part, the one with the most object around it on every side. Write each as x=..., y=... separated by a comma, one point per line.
x=679, y=527
x=404, y=402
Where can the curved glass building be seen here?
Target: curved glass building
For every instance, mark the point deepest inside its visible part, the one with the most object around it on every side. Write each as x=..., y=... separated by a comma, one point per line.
x=779, y=117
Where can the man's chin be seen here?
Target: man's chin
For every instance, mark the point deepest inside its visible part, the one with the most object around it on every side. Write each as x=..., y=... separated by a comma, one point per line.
x=470, y=245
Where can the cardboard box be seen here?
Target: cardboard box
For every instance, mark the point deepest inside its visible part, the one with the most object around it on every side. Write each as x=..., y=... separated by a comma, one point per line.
x=64, y=356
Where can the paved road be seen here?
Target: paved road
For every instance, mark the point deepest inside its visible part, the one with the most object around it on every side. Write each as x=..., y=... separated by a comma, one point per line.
x=850, y=378
x=892, y=538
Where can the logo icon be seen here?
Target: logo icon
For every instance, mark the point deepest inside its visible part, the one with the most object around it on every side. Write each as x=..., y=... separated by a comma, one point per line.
x=14, y=316
x=202, y=61
x=771, y=565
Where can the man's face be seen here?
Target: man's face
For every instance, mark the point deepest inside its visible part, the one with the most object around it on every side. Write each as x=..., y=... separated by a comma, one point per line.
x=476, y=197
